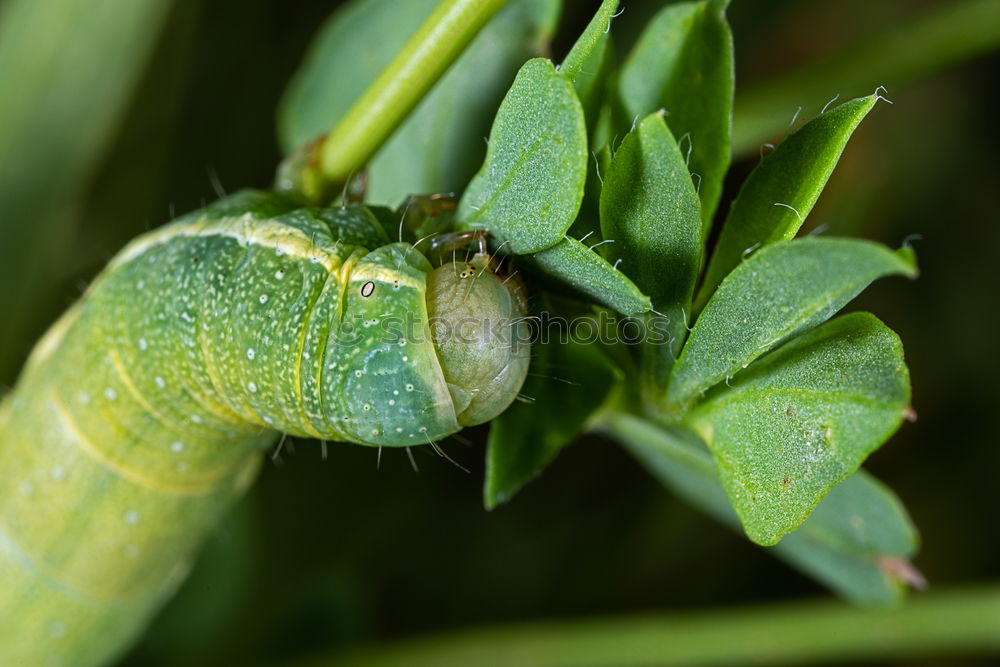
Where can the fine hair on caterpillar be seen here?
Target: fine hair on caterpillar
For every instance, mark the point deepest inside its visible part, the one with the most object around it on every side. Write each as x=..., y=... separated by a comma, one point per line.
x=152, y=400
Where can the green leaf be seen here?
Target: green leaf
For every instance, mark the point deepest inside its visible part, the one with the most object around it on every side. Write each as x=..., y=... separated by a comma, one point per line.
x=529, y=188
x=439, y=147
x=683, y=63
x=587, y=62
x=858, y=541
x=567, y=382
x=68, y=69
x=591, y=42
x=780, y=192
x=787, y=287
x=650, y=210
x=802, y=419
x=573, y=263
x=858, y=528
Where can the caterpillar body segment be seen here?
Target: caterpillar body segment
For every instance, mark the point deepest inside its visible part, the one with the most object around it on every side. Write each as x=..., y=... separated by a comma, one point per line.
x=143, y=414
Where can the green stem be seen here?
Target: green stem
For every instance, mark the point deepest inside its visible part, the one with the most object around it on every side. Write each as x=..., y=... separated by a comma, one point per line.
x=951, y=623
x=402, y=84
x=956, y=32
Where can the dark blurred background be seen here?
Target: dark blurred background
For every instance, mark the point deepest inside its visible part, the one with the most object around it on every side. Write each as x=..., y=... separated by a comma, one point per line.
x=325, y=554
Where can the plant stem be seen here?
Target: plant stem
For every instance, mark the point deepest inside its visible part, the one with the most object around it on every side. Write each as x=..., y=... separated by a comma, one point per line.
x=402, y=84
x=952, y=623
x=956, y=32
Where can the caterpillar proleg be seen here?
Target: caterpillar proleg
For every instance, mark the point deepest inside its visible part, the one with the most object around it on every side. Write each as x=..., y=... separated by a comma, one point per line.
x=145, y=410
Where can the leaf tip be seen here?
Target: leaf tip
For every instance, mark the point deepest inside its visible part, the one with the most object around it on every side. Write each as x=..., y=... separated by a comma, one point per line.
x=900, y=569
x=719, y=6
x=908, y=256
x=492, y=498
x=764, y=536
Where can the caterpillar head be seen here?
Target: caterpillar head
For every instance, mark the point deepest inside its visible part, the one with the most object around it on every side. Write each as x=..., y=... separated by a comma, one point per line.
x=480, y=335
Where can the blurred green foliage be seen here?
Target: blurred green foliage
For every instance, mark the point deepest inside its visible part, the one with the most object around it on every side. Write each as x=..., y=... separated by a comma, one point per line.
x=327, y=554
x=68, y=72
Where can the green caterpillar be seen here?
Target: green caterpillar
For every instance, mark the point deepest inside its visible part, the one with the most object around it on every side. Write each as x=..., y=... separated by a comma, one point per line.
x=145, y=410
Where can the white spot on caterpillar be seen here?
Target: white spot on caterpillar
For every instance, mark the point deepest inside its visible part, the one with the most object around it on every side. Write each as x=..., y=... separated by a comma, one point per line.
x=160, y=382
x=186, y=317
x=196, y=419
x=141, y=284
x=395, y=392
x=250, y=353
x=252, y=387
x=58, y=473
x=110, y=394
x=263, y=298
x=268, y=420
x=132, y=517
x=279, y=274
x=392, y=402
x=177, y=446
x=143, y=345
x=406, y=358
x=399, y=429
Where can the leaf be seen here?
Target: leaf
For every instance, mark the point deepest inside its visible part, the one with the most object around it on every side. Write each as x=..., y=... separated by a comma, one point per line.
x=802, y=419
x=858, y=541
x=587, y=62
x=592, y=40
x=787, y=287
x=567, y=382
x=577, y=265
x=780, y=192
x=529, y=189
x=858, y=526
x=68, y=70
x=683, y=63
x=439, y=147
x=650, y=210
